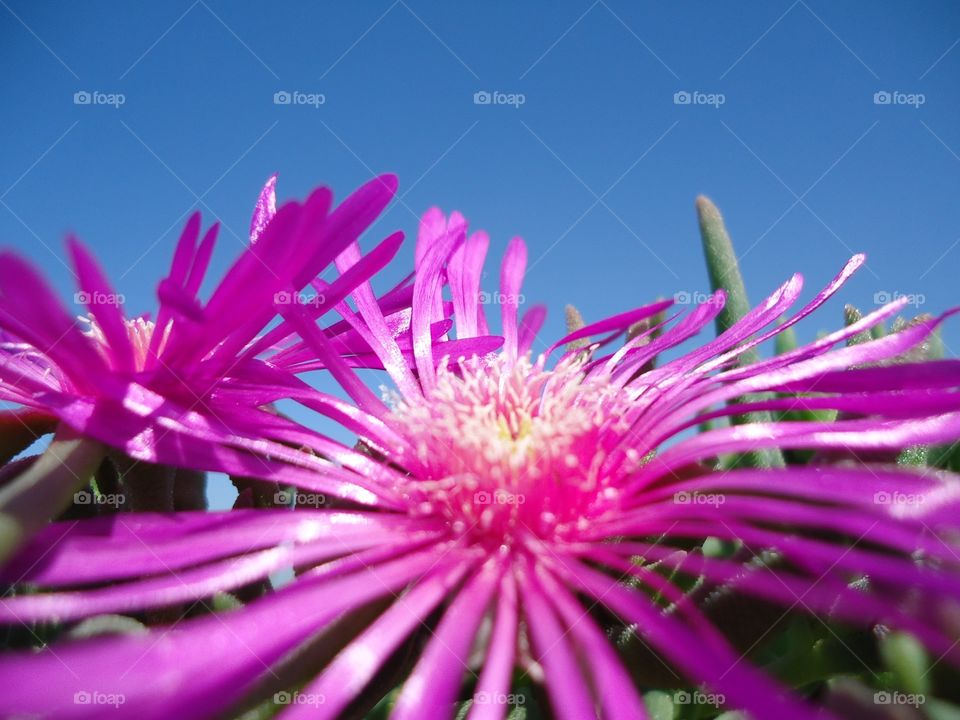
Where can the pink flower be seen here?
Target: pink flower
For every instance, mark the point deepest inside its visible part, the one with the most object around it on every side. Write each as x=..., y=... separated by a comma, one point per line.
x=186, y=388
x=522, y=499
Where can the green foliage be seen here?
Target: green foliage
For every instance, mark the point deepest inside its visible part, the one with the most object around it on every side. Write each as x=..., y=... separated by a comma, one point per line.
x=724, y=272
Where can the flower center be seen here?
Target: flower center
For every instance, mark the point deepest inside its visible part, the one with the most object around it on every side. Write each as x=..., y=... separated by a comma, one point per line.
x=514, y=449
x=139, y=333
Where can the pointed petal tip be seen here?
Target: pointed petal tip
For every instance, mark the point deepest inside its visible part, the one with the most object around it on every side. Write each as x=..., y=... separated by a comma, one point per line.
x=319, y=196
x=265, y=208
x=78, y=251
x=389, y=182
x=395, y=238
x=268, y=193
x=432, y=214
x=517, y=242
x=73, y=242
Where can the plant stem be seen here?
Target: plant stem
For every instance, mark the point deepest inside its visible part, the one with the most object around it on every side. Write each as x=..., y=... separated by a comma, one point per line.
x=45, y=489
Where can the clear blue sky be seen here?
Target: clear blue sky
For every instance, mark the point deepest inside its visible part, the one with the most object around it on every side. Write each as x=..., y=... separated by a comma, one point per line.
x=597, y=169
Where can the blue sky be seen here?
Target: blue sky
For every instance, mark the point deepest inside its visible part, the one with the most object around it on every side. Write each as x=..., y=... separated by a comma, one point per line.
x=597, y=168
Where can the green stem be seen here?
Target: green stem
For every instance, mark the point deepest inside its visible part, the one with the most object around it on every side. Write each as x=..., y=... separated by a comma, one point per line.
x=189, y=490
x=149, y=487
x=45, y=489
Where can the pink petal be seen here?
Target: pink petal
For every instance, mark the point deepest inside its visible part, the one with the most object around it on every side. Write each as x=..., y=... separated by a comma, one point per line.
x=435, y=682
x=511, y=280
x=265, y=208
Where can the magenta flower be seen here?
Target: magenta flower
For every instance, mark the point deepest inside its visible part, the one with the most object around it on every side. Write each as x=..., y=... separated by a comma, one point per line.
x=188, y=388
x=161, y=390
x=524, y=505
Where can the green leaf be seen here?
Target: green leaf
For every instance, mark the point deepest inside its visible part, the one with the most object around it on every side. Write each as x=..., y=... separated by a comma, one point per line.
x=575, y=322
x=940, y=710
x=935, y=347
x=224, y=601
x=946, y=457
x=908, y=661
x=850, y=316
x=714, y=547
x=785, y=341
x=518, y=713
x=849, y=697
x=107, y=625
x=914, y=456
x=724, y=273
x=931, y=348
x=722, y=264
x=659, y=705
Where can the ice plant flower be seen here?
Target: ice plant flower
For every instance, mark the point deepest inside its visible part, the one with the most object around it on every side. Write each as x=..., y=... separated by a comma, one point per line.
x=526, y=505
x=186, y=388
